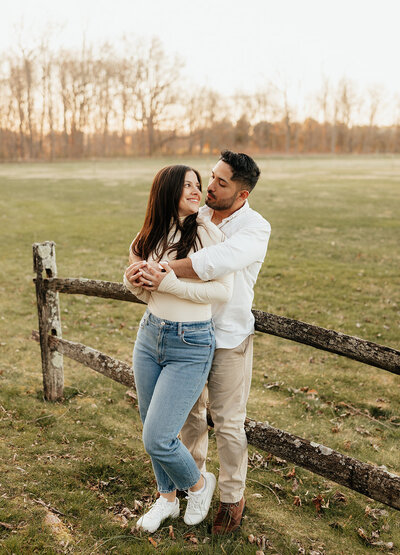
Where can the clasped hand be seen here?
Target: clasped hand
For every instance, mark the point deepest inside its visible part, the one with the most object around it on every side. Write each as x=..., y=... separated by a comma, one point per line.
x=148, y=275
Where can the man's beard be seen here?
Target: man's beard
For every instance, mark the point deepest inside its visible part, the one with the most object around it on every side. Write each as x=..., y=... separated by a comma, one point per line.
x=221, y=204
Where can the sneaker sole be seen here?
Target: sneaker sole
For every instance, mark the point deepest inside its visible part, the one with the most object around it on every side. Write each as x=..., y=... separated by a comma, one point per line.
x=150, y=531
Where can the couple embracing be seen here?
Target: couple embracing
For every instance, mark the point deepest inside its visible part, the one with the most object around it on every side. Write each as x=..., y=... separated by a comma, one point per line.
x=196, y=269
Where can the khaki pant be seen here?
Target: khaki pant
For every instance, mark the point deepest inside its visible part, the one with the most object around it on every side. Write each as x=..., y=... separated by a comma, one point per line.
x=227, y=391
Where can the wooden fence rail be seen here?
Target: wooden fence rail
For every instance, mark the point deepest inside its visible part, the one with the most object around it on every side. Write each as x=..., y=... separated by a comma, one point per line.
x=321, y=338
x=375, y=482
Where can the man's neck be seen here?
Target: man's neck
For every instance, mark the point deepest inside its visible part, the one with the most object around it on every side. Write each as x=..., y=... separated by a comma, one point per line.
x=219, y=215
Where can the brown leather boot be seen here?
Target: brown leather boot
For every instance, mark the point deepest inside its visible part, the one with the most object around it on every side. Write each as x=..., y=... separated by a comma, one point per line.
x=229, y=517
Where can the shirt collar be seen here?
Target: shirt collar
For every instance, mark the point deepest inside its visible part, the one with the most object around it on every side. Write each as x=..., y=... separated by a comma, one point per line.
x=241, y=210
x=208, y=213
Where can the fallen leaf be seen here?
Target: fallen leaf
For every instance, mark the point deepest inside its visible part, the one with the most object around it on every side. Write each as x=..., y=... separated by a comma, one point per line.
x=297, y=501
x=191, y=537
x=261, y=542
x=257, y=495
x=386, y=545
x=121, y=520
x=256, y=460
x=375, y=513
x=339, y=497
x=153, y=543
x=291, y=473
x=127, y=513
x=131, y=394
x=362, y=431
x=6, y=525
x=318, y=502
x=277, y=487
x=171, y=532
x=251, y=538
x=363, y=535
x=375, y=534
x=274, y=385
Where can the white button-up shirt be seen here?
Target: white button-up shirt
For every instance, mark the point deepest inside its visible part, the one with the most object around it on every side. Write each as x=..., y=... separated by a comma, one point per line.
x=243, y=252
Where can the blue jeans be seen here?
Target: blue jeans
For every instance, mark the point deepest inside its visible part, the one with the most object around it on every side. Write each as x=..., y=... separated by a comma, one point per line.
x=171, y=362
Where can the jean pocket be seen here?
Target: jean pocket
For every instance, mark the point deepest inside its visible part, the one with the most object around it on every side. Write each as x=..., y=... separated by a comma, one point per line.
x=197, y=338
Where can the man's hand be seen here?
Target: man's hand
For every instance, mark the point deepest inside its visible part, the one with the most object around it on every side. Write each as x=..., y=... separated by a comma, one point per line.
x=183, y=268
x=153, y=274
x=133, y=273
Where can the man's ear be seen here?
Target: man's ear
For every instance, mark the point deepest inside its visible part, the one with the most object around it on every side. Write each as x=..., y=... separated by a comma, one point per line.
x=243, y=194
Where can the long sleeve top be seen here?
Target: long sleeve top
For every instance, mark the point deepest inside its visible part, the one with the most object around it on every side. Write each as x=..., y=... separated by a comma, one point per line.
x=187, y=300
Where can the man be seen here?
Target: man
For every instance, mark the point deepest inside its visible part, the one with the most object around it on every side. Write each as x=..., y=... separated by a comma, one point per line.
x=243, y=252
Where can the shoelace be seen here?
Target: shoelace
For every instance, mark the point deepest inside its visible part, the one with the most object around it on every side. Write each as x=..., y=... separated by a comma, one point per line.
x=194, y=500
x=157, y=508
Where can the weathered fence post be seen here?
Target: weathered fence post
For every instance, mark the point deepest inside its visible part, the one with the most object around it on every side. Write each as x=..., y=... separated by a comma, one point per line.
x=44, y=264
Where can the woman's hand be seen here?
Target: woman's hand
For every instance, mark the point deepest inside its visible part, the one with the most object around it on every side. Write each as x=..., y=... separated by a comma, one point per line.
x=152, y=275
x=133, y=273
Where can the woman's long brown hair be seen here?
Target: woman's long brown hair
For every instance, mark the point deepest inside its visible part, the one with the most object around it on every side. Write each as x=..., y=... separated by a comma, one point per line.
x=162, y=215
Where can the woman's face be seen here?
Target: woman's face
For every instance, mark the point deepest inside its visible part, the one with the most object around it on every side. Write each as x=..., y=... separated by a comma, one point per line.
x=189, y=202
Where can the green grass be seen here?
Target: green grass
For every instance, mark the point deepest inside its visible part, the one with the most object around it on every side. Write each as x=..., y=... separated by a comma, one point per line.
x=333, y=260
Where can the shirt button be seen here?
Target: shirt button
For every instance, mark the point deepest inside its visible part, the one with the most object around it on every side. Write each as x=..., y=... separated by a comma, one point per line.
x=163, y=323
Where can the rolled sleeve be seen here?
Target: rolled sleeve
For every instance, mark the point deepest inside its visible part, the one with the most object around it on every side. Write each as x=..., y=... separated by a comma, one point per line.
x=243, y=248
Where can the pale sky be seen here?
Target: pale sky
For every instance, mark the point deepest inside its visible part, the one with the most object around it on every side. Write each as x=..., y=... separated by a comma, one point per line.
x=233, y=45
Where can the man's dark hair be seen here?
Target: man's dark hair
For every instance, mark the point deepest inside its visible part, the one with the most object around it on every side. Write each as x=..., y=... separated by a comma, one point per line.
x=244, y=169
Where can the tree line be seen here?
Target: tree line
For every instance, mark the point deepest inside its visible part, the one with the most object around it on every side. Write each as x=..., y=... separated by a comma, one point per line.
x=132, y=99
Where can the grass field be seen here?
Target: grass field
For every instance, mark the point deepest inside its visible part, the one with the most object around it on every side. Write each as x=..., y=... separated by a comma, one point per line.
x=333, y=260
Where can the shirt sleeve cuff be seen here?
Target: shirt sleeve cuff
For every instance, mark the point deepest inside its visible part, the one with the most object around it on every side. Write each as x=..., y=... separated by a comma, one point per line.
x=199, y=265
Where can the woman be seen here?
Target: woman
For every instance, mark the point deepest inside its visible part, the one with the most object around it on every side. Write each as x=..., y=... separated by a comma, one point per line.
x=175, y=342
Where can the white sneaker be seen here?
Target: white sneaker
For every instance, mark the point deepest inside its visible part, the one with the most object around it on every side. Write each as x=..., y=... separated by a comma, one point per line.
x=159, y=511
x=199, y=504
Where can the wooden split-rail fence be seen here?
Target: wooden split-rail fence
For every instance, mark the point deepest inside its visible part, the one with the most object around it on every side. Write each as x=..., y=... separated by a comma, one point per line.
x=373, y=481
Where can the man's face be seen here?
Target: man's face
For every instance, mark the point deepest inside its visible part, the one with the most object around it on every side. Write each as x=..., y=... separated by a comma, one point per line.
x=222, y=192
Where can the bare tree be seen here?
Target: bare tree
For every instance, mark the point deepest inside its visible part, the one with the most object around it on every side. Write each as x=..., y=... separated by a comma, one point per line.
x=375, y=100
x=287, y=109
x=104, y=101
x=204, y=109
x=17, y=87
x=157, y=91
x=323, y=103
x=104, y=86
x=347, y=102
